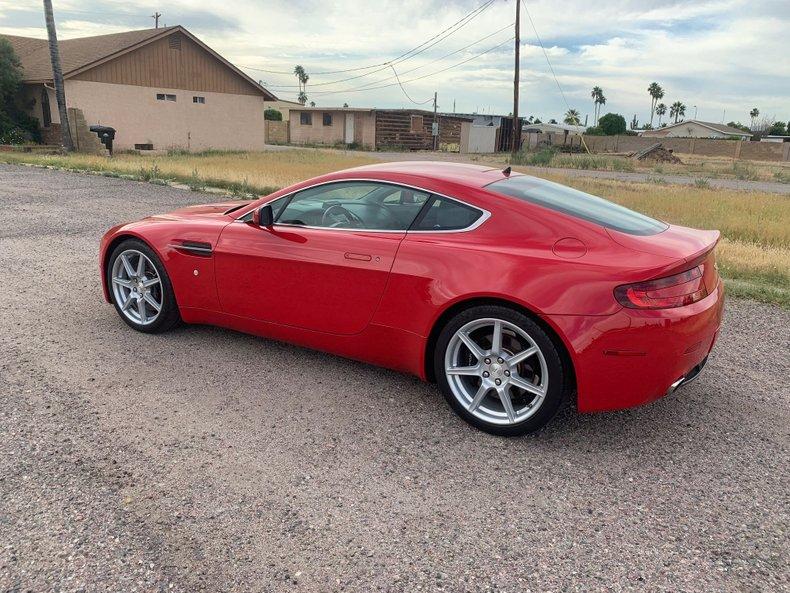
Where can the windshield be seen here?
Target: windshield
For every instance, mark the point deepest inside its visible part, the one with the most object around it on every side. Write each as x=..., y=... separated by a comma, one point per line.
x=578, y=203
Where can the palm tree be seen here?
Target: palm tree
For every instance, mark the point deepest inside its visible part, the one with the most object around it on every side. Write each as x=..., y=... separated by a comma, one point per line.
x=57, y=77
x=661, y=110
x=677, y=110
x=302, y=77
x=594, y=94
x=656, y=92
x=753, y=114
x=572, y=117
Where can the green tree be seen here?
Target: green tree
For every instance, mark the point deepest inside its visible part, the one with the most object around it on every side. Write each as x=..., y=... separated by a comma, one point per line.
x=677, y=110
x=777, y=129
x=15, y=125
x=272, y=114
x=612, y=124
x=661, y=111
x=753, y=114
x=656, y=93
x=572, y=117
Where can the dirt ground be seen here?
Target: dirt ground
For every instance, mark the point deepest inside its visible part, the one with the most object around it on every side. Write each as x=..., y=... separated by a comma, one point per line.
x=207, y=460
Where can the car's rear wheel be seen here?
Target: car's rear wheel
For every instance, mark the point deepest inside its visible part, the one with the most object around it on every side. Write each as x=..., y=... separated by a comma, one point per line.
x=140, y=288
x=499, y=370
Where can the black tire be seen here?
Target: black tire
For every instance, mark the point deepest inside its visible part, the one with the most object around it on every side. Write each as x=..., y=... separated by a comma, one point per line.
x=558, y=382
x=169, y=316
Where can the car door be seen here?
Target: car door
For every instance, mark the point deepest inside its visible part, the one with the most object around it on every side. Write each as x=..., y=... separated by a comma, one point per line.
x=322, y=266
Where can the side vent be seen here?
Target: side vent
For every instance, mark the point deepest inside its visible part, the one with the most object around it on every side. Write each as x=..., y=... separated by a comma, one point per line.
x=193, y=248
x=174, y=41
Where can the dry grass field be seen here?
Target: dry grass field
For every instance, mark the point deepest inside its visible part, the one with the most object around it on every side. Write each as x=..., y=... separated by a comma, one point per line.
x=754, y=254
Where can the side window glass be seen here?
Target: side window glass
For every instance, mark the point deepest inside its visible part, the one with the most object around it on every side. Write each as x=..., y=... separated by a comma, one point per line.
x=354, y=205
x=444, y=214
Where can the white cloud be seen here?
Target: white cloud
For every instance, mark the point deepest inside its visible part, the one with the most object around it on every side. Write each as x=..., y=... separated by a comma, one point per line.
x=717, y=54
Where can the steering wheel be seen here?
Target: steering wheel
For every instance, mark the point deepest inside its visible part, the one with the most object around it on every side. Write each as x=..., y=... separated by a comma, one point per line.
x=337, y=210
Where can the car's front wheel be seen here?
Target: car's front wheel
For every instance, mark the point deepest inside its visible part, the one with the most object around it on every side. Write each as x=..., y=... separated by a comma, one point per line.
x=499, y=370
x=140, y=288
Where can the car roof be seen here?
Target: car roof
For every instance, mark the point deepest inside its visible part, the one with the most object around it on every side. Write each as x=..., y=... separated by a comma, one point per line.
x=461, y=173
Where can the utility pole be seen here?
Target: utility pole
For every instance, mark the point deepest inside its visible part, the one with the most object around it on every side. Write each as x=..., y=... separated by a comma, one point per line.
x=57, y=77
x=435, y=126
x=156, y=16
x=516, y=130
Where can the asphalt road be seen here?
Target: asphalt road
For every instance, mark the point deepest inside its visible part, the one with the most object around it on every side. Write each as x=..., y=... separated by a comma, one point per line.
x=207, y=460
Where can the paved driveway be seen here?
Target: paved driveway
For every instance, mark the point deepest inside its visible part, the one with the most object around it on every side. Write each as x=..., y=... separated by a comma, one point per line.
x=207, y=460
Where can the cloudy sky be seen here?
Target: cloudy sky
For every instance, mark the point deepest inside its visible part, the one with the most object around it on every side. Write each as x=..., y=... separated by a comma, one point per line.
x=719, y=57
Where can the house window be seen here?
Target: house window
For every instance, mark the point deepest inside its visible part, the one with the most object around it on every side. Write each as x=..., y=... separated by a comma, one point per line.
x=416, y=124
x=327, y=119
x=164, y=97
x=305, y=118
x=201, y=100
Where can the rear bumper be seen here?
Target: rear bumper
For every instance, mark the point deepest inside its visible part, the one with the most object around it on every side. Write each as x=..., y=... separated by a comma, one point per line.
x=634, y=357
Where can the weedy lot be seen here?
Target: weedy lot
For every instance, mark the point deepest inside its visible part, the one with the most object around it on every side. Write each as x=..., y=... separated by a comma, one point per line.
x=203, y=460
x=754, y=255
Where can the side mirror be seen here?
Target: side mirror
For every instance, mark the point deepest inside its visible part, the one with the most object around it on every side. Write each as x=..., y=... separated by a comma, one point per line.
x=263, y=216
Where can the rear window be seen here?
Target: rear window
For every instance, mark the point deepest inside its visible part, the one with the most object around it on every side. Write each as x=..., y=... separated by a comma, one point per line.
x=578, y=203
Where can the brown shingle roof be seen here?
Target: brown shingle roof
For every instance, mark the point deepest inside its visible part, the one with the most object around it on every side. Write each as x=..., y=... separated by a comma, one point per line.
x=74, y=53
x=79, y=54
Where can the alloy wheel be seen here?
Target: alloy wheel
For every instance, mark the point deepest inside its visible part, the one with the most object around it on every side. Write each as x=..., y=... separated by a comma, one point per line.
x=137, y=287
x=496, y=371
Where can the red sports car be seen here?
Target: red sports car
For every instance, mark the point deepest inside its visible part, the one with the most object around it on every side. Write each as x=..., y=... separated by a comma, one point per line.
x=511, y=292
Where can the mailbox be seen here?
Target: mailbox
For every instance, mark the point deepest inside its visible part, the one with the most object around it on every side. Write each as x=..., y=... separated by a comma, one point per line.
x=106, y=134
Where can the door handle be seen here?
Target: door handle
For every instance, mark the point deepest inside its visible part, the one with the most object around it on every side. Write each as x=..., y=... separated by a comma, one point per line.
x=357, y=256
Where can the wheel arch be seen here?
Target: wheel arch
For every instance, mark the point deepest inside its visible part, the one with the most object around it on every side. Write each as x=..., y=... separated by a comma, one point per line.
x=455, y=308
x=105, y=261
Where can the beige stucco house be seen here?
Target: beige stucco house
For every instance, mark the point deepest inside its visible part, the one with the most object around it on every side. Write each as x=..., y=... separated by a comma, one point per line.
x=333, y=125
x=693, y=128
x=159, y=88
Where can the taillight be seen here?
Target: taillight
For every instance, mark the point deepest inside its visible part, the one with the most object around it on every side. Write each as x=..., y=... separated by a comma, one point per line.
x=664, y=293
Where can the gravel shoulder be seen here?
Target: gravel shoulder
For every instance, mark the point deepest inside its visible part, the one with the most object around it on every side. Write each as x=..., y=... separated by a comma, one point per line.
x=131, y=462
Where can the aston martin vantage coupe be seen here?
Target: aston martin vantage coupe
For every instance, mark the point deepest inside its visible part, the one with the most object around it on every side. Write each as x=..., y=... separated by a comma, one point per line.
x=511, y=292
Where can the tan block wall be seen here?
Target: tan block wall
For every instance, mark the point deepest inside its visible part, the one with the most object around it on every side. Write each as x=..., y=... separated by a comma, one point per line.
x=224, y=122
x=277, y=132
x=765, y=151
x=762, y=151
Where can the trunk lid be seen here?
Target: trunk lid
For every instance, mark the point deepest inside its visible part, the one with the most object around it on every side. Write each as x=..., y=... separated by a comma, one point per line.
x=690, y=247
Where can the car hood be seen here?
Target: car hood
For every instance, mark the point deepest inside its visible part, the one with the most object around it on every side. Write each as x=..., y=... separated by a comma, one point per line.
x=201, y=211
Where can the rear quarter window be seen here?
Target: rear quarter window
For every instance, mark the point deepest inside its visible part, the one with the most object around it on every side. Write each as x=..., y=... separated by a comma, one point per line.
x=578, y=204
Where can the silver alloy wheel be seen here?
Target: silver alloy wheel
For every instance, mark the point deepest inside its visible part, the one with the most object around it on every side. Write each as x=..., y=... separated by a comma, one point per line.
x=136, y=287
x=496, y=371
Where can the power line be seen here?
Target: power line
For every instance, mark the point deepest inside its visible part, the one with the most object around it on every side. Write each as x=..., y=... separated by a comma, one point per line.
x=424, y=46
x=444, y=56
x=370, y=88
x=404, y=90
x=548, y=61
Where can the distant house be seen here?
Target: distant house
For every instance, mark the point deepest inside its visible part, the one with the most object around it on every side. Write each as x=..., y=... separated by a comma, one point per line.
x=774, y=138
x=546, y=128
x=380, y=129
x=693, y=128
x=412, y=129
x=333, y=125
x=159, y=88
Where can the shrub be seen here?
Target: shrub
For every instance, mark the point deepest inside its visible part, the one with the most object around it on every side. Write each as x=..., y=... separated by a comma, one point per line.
x=272, y=114
x=541, y=158
x=612, y=124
